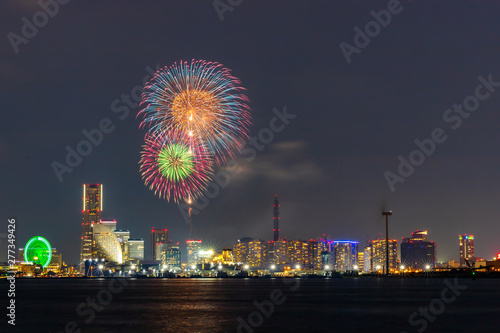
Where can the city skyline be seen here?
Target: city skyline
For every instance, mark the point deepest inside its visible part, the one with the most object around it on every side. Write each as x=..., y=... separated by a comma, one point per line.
x=159, y=240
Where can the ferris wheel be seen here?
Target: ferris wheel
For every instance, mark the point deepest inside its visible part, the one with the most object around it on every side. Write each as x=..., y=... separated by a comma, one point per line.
x=38, y=251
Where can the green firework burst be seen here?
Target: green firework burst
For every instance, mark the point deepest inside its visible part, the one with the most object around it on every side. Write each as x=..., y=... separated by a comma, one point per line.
x=175, y=162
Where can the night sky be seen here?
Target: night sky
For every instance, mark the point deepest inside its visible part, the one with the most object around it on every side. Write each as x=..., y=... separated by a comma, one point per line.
x=352, y=120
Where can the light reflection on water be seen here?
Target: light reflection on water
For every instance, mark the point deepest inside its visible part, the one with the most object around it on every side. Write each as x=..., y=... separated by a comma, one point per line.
x=213, y=305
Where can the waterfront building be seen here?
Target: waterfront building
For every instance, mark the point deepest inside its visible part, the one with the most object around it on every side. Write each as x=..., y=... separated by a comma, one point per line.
x=105, y=244
x=466, y=248
x=158, y=236
x=241, y=250
x=136, y=249
x=123, y=237
x=418, y=253
x=378, y=255
x=193, y=252
x=257, y=253
x=345, y=255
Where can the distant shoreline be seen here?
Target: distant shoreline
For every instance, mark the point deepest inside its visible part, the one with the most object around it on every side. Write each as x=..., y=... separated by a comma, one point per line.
x=428, y=275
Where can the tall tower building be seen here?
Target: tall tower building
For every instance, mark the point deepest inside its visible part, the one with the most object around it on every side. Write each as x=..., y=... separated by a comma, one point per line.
x=158, y=237
x=276, y=219
x=91, y=214
x=466, y=244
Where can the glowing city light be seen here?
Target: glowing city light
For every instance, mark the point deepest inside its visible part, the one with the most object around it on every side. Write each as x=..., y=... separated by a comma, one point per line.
x=427, y=267
x=273, y=267
x=38, y=251
x=297, y=266
x=101, y=266
x=327, y=267
x=246, y=266
x=402, y=267
x=355, y=267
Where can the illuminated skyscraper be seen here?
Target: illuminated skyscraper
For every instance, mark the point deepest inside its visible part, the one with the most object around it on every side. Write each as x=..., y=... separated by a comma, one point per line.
x=257, y=253
x=378, y=254
x=241, y=250
x=361, y=261
x=314, y=249
x=368, y=260
x=417, y=252
x=297, y=252
x=280, y=252
x=193, y=252
x=91, y=214
x=345, y=255
x=466, y=247
x=158, y=236
x=276, y=219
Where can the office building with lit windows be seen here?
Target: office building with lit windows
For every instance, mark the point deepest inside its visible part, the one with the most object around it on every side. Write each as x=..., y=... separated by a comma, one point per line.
x=297, y=252
x=466, y=249
x=314, y=249
x=345, y=254
x=193, y=252
x=136, y=249
x=361, y=261
x=368, y=260
x=378, y=255
x=257, y=253
x=158, y=236
x=241, y=250
x=418, y=253
x=171, y=258
x=91, y=214
x=105, y=244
